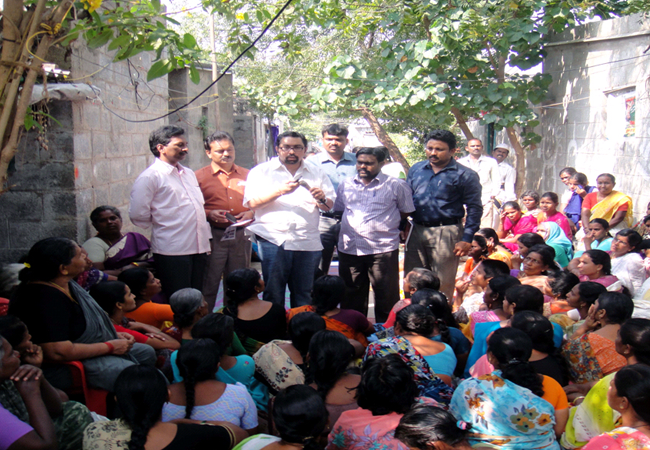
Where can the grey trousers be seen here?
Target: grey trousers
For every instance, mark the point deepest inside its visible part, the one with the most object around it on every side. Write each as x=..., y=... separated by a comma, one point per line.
x=329, y=229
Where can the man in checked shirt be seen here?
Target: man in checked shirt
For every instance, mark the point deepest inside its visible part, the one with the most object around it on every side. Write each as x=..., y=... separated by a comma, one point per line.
x=373, y=206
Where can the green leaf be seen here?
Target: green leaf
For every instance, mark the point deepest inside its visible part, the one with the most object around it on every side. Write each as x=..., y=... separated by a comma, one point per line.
x=159, y=69
x=189, y=41
x=155, y=4
x=195, y=76
x=29, y=121
x=119, y=41
x=100, y=39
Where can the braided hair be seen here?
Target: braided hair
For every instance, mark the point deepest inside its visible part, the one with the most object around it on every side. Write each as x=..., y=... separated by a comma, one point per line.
x=239, y=286
x=141, y=392
x=330, y=354
x=198, y=360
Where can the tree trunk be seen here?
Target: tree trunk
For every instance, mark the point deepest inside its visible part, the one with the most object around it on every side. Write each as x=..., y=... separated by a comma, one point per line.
x=520, y=160
x=460, y=120
x=385, y=139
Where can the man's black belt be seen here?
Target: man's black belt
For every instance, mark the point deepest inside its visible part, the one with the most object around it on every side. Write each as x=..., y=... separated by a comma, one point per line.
x=440, y=223
x=331, y=214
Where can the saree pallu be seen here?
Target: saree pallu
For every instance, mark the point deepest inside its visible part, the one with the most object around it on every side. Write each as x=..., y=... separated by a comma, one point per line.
x=331, y=324
x=132, y=247
x=606, y=208
x=428, y=382
x=624, y=438
x=559, y=219
x=504, y=414
x=591, y=357
x=590, y=418
x=481, y=317
x=526, y=224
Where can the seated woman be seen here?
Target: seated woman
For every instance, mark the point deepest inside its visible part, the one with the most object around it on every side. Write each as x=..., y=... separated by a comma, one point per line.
x=326, y=295
x=525, y=242
x=32, y=413
x=530, y=201
x=514, y=407
x=548, y=204
x=299, y=416
x=478, y=252
x=256, y=321
x=495, y=249
x=91, y=275
x=112, y=251
x=145, y=286
x=483, y=273
x=417, y=279
x=594, y=416
x=560, y=284
x=200, y=396
x=596, y=237
x=628, y=396
x=330, y=355
x=513, y=224
x=386, y=391
x=596, y=266
x=189, y=307
x=580, y=298
x=493, y=297
x=608, y=204
x=66, y=321
x=579, y=185
x=116, y=299
x=627, y=263
x=546, y=358
x=411, y=343
x=554, y=237
x=282, y=363
x=426, y=427
x=538, y=262
x=591, y=350
x=141, y=393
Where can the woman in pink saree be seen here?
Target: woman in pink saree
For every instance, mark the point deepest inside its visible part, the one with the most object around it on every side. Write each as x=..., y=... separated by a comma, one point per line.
x=513, y=224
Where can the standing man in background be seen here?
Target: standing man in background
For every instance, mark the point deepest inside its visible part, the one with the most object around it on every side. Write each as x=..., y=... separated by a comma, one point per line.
x=507, y=174
x=338, y=165
x=487, y=169
x=166, y=196
x=222, y=184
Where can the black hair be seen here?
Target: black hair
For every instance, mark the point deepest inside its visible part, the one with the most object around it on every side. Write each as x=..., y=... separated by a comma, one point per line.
x=217, y=136
x=335, y=130
x=645, y=219
x=526, y=298
x=482, y=242
x=437, y=303
x=599, y=257
x=300, y=415
x=562, y=283
x=290, y=134
x=163, y=136
x=634, y=332
x=420, y=278
x=633, y=238
x=141, y=392
x=136, y=279
x=494, y=268
x=633, y=383
x=581, y=178
x=618, y=307
x=512, y=349
x=13, y=330
x=441, y=135
x=589, y=291
x=500, y=284
x=239, y=286
x=551, y=195
x=387, y=385
x=46, y=257
x=426, y=424
x=198, y=360
x=568, y=170
x=384, y=149
x=529, y=240
x=328, y=291
x=608, y=175
x=531, y=193
x=107, y=294
x=645, y=245
x=94, y=216
x=302, y=328
x=602, y=222
x=546, y=252
x=513, y=205
x=417, y=319
x=218, y=327
x=489, y=233
x=330, y=354
x=372, y=151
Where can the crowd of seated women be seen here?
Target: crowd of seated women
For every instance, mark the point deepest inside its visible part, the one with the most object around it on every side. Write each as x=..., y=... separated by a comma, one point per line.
x=545, y=345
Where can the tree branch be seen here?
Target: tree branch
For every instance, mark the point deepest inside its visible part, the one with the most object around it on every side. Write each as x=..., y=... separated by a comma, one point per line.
x=384, y=138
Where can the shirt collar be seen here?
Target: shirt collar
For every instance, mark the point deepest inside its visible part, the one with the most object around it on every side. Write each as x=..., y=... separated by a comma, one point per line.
x=380, y=178
x=167, y=168
x=325, y=157
x=453, y=165
x=277, y=165
x=235, y=169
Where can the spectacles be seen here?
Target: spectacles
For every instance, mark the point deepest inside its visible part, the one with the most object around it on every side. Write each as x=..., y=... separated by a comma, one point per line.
x=296, y=148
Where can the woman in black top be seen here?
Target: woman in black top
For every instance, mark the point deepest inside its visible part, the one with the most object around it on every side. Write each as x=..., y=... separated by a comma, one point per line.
x=141, y=392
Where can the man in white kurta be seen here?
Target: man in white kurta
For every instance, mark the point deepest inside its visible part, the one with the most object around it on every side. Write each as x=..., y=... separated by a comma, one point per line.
x=488, y=172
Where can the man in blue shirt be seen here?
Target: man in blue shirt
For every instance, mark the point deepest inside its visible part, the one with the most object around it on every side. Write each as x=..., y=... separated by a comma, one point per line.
x=338, y=165
x=442, y=189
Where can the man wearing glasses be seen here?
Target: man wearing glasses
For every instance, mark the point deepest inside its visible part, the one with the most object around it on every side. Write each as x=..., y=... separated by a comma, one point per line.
x=287, y=196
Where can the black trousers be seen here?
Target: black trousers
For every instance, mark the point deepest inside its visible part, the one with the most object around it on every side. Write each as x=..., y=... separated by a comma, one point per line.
x=180, y=271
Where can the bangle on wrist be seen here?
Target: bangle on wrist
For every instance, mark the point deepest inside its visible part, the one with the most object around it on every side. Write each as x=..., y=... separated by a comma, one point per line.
x=111, y=348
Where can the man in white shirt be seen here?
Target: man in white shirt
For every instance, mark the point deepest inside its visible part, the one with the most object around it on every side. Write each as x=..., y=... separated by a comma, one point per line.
x=507, y=174
x=167, y=197
x=488, y=172
x=287, y=196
